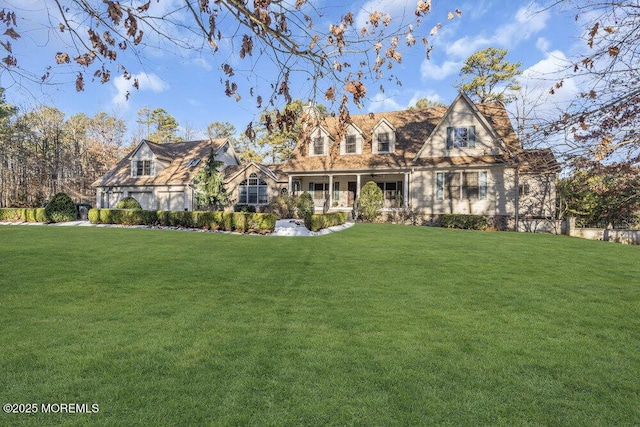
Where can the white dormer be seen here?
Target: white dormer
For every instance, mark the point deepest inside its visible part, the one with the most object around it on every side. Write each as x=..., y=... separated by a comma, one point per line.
x=352, y=141
x=383, y=138
x=143, y=161
x=319, y=142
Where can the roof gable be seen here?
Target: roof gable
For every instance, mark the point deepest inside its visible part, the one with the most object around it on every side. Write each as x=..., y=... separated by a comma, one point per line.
x=178, y=166
x=465, y=106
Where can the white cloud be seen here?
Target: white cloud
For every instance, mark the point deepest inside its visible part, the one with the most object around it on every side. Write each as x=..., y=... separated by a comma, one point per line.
x=464, y=47
x=146, y=82
x=525, y=24
x=202, y=63
x=430, y=95
x=432, y=71
x=540, y=78
x=542, y=44
x=382, y=102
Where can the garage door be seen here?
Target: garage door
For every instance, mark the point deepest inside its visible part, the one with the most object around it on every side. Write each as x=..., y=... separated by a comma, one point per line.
x=144, y=198
x=171, y=201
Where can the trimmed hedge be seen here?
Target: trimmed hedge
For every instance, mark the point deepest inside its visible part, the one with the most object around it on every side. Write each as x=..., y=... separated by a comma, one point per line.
x=207, y=220
x=23, y=215
x=317, y=222
x=467, y=222
x=128, y=203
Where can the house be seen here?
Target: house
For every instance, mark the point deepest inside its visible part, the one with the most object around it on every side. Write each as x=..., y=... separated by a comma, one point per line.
x=160, y=176
x=463, y=159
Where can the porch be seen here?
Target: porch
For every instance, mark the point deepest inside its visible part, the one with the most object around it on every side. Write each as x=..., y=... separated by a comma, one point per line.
x=340, y=191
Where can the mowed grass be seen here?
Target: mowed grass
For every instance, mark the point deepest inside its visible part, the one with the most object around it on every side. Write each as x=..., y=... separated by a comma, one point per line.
x=375, y=325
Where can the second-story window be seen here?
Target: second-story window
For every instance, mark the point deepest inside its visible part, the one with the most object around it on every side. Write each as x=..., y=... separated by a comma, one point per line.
x=143, y=167
x=350, y=144
x=383, y=142
x=318, y=146
x=461, y=137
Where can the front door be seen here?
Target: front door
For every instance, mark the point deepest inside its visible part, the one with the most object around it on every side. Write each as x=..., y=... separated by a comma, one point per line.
x=352, y=188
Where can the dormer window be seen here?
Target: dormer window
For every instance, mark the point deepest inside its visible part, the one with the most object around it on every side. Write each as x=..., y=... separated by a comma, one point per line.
x=383, y=142
x=461, y=137
x=318, y=146
x=350, y=144
x=383, y=138
x=142, y=168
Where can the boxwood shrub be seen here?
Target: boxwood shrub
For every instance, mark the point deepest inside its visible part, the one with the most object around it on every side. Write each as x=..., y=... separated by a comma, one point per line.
x=464, y=221
x=317, y=222
x=61, y=209
x=23, y=214
x=228, y=221
x=128, y=203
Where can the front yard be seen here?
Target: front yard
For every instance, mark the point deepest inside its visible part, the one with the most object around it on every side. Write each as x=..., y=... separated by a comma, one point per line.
x=375, y=325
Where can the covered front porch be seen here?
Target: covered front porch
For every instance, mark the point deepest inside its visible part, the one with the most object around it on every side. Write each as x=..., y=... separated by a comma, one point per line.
x=340, y=191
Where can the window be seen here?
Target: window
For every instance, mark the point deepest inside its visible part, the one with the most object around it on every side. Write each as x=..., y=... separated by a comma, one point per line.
x=461, y=185
x=192, y=163
x=318, y=146
x=350, y=144
x=523, y=189
x=336, y=191
x=319, y=190
x=461, y=137
x=252, y=191
x=383, y=142
x=392, y=191
x=143, y=167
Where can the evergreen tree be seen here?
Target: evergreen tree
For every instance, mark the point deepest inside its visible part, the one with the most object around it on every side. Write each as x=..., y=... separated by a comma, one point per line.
x=488, y=76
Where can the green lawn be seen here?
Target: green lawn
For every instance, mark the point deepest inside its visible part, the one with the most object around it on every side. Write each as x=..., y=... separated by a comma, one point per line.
x=375, y=325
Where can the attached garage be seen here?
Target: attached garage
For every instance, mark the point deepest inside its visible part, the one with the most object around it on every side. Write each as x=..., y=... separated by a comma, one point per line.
x=145, y=198
x=171, y=201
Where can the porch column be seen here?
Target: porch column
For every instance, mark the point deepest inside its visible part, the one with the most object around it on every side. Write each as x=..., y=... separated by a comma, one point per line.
x=330, y=192
x=405, y=196
x=358, y=183
x=290, y=187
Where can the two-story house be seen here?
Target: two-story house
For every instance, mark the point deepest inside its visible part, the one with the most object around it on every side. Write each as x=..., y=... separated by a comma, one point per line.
x=461, y=159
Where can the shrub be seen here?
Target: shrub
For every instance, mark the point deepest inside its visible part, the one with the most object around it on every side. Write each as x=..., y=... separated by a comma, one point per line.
x=162, y=218
x=239, y=221
x=10, y=214
x=128, y=203
x=305, y=205
x=464, y=221
x=319, y=221
x=370, y=202
x=41, y=216
x=94, y=216
x=282, y=206
x=227, y=221
x=61, y=209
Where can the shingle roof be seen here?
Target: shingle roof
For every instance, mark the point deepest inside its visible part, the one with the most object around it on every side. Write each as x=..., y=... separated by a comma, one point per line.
x=177, y=154
x=538, y=161
x=413, y=128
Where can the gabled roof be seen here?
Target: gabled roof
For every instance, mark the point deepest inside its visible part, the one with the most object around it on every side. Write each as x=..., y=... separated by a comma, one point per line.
x=231, y=172
x=175, y=155
x=413, y=129
x=493, y=108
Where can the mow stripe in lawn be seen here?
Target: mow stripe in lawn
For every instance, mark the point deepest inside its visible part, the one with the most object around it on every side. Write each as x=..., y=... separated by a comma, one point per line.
x=375, y=325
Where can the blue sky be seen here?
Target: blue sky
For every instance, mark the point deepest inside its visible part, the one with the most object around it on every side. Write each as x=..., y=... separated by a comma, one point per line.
x=187, y=84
